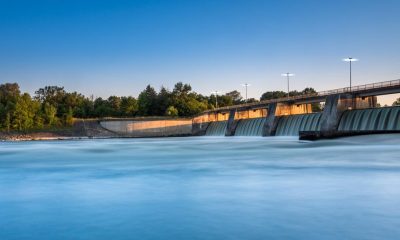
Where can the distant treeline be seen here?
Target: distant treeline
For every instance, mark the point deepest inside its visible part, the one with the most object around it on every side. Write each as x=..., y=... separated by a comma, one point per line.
x=53, y=106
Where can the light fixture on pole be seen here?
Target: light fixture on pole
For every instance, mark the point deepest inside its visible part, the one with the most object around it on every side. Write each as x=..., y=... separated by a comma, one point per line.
x=216, y=98
x=287, y=75
x=246, y=85
x=350, y=59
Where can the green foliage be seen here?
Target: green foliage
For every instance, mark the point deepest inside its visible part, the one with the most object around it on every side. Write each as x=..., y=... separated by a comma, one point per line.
x=235, y=96
x=171, y=111
x=397, y=102
x=24, y=113
x=69, y=117
x=129, y=106
x=273, y=95
x=147, y=102
x=49, y=114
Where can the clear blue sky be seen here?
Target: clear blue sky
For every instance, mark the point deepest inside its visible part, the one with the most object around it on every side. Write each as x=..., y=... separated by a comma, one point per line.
x=118, y=47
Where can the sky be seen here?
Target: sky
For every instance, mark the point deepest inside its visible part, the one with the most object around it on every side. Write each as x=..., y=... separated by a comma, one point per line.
x=118, y=47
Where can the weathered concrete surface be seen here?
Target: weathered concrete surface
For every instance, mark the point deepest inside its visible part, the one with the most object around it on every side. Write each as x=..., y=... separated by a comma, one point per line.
x=150, y=128
x=271, y=121
x=199, y=129
x=200, y=124
x=291, y=109
x=250, y=113
x=331, y=113
x=231, y=127
x=335, y=105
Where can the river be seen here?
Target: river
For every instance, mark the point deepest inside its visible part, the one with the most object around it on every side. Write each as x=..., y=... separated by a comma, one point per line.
x=201, y=188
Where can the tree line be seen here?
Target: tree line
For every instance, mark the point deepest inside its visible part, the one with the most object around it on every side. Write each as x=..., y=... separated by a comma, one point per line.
x=53, y=106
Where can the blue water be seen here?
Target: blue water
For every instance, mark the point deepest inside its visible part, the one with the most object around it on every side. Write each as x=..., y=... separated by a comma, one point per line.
x=201, y=188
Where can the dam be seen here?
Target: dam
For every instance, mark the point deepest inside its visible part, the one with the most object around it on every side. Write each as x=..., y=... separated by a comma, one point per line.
x=372, y=119
x=345, y=111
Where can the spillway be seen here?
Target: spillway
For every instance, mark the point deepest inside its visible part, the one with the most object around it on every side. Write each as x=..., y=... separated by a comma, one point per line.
x=387, y=118
x=292, y=124
x=250, y=127
x=217, y=128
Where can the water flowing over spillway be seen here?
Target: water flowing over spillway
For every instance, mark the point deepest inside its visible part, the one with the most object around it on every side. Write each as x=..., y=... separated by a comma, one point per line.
x=217, y=128
x=291, y=125
x=387, y=118
x=250, y=127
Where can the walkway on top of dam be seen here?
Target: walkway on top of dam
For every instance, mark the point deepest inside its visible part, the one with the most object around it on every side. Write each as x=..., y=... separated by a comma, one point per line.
x=372, y=89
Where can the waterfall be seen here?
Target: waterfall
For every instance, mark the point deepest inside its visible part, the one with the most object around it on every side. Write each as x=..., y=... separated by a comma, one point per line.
x=386, y=118
x=250, y=127
x=292, y=124
x=217, y=128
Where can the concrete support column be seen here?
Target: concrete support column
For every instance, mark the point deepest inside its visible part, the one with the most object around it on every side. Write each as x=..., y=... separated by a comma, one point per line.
x=335, y=105
x=232, y=124
x=271, y=121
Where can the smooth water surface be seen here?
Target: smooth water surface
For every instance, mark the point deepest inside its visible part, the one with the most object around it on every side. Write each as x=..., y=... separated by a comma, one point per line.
x=201, y=188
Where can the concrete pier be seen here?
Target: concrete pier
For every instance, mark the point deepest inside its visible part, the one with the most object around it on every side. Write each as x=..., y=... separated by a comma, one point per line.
x=232, y=124
x=271, y=121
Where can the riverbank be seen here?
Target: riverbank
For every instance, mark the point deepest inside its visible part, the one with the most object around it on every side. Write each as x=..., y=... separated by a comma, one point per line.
x=81, y=129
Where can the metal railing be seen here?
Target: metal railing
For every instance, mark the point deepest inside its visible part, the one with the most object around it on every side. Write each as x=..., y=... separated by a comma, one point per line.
x=354, y=89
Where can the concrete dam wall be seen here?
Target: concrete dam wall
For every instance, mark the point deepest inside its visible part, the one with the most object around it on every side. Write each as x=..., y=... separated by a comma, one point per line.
x=149, y=128
x=370, y=119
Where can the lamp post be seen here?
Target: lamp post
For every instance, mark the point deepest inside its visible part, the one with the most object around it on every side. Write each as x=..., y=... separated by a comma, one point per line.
x=216, y=98
x=350, y=59
x=246, y=85
x=287, y=75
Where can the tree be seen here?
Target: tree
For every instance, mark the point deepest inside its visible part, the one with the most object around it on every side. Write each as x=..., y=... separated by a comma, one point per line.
x=102, y=108
x=236, y=97
x=7, y=122
x=186, y=102
x=147, y=101
x=171, y=111
x=25, y=112
x=222, y=100
x=251, y=100
x=69, y=117
x=181, y=89
x=9, y=92
x=164, y=99
x=308, y=91
x=50, y=94
x=273, y=95
x=49, y=114
x=316, y=107
x=114, y=103
x=129, y=106
x=397, y=102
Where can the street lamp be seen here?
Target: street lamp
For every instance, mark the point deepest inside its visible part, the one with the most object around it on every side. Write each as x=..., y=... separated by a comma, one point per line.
x=287, y=75
x=216, y=98
x=350, y=59
x=246, y=85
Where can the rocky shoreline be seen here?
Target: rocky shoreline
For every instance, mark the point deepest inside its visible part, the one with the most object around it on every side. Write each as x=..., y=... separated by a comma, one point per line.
x=37, y=136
